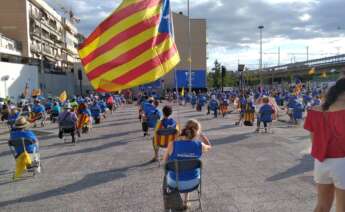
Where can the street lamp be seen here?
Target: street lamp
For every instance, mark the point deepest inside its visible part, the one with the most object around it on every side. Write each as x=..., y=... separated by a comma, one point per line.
x=5, y=79
x=189, y=47
x=261, y=27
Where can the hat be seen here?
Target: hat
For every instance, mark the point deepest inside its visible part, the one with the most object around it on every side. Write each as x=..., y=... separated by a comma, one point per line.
x=68, y=106
x=21, y=123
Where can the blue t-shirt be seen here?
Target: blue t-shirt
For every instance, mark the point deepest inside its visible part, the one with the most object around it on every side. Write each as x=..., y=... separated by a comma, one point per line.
x=153, y=116
x=48, y=105
x=38, y=109
x=56, y=109
x=13, y=117
x=95, y=110
x=213, y=104
x=186, y=150
x=266, y=112
x=298, y=110
x=26, y=134
x=169, y=123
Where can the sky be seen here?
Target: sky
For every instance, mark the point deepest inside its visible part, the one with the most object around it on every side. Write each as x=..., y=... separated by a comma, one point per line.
x=233, y=35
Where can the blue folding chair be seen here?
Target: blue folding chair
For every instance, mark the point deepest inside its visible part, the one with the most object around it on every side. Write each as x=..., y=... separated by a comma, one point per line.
x=171, y=196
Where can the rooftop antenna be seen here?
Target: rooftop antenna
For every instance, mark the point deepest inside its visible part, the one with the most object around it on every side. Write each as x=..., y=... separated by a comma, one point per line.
x=67, y=12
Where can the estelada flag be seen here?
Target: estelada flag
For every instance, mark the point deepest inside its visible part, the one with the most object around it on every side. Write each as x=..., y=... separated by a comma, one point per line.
x=132, y=47
x=63, y=96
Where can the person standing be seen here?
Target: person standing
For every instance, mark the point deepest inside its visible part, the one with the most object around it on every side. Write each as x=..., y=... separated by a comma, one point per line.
x=327, y=128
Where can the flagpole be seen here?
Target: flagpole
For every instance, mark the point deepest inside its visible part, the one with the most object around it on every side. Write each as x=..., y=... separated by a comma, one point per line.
x=189, y=47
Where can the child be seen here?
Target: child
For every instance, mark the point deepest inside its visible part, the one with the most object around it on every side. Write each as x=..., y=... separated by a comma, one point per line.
x=265, y=114
x=165, y=123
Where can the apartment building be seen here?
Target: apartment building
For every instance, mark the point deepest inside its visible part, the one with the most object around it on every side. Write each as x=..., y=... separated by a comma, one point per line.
x=42, y=32
x=9, y=46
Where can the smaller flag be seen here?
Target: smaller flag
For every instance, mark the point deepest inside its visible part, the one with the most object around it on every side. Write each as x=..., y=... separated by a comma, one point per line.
x=63, y=96
x=36, y=92
x=324, y=74
x=22, y=162
x=298, y=87
x=312, y=71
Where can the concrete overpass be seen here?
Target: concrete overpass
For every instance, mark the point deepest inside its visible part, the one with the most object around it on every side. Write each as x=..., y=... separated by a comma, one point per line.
x=332, y=66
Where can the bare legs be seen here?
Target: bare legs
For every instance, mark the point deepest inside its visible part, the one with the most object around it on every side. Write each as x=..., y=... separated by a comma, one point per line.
x=326, y=194
x=325, y=197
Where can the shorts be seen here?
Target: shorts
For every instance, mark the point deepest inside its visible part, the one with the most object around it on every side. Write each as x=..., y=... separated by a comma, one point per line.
x=330, y=171
x=183, y=185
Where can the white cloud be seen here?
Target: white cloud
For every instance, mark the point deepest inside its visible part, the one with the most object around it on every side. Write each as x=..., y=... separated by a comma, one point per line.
x=305, y=17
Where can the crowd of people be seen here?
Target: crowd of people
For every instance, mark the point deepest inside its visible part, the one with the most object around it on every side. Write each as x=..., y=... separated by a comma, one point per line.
x=260, y=105
x=77, y=115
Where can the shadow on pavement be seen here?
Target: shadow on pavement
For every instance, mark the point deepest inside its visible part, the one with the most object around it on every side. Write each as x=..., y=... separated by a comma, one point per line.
x=231, y=139
x=90, y=180
x=224, y=127
x=192, y=116
x=114, y=124
x=88, y=150
x=306, y=164
x=107, y=136
x=5, y=153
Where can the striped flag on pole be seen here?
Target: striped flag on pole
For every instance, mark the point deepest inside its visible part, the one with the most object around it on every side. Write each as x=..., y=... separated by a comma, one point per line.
x=132, y=47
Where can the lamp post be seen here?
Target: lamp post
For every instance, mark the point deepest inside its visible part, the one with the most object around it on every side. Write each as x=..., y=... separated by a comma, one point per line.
x=189, y=47
x=261, y=27
x=5, y=79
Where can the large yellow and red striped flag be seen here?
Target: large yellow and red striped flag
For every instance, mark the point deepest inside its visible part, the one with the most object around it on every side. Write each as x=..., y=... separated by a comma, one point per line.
x=132, y=47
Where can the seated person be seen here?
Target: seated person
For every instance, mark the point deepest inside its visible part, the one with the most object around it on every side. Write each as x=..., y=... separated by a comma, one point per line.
x=21, y=131
x=266, y=112
x=96, y=112
x=38, y=107
x=84, y=115
x=67, y=121
x=190, y=145
x=213, y=106
x=56, y=109
x=166, y=122
x=13, y=116
x=38, y=111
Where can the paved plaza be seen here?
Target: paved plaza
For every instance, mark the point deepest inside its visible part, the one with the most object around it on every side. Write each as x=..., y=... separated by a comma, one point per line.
x=108, y=170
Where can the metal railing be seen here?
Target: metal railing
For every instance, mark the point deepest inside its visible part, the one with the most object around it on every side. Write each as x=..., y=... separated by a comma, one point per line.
x=333, y=60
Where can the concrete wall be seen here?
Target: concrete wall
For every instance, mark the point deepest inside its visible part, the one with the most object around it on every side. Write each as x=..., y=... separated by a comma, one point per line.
x=54, y=84
x=19, y=76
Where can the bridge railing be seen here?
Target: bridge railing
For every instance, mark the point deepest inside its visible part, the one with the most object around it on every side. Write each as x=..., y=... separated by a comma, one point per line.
x=333, y=60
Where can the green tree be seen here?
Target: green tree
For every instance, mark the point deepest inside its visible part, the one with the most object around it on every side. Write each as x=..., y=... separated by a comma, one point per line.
x=217, y=74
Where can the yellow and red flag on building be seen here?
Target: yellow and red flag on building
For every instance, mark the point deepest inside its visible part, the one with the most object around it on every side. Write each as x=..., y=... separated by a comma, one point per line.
x=312, y=71
x=132, y=47
x=63, y=96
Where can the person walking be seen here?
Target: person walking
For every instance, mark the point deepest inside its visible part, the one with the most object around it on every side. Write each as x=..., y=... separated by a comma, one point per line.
x=327, y=128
